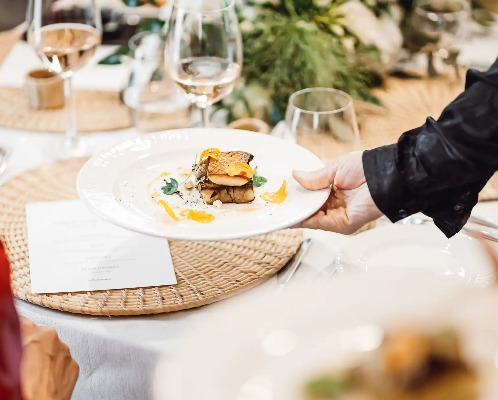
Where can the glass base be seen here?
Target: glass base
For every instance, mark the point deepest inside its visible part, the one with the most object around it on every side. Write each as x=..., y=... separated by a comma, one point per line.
x=68, y=148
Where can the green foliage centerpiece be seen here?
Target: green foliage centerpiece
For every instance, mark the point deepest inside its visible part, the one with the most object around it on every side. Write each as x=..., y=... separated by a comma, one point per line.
x=294, y=44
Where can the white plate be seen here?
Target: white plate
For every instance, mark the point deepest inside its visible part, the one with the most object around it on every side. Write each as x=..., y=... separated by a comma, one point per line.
x=267, y=347
x=114, y=184
x=416, y=247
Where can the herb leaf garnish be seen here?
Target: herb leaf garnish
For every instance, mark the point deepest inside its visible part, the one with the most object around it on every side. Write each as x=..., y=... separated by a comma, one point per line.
x=171, y=187
x=258, y=180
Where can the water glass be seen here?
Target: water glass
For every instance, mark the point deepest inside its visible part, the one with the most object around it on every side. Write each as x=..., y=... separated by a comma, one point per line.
x=442, y=25
x=151, y=95
x=323, y=120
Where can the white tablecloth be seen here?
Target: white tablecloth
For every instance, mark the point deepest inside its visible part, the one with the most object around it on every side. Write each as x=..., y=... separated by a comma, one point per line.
x=117, y=356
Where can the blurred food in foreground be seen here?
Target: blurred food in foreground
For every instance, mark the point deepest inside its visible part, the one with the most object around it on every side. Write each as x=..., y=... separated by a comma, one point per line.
x=408, y=365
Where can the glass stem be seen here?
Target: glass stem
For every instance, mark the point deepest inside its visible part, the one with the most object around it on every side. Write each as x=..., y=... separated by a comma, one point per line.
x=70, y=110
x=204, y=116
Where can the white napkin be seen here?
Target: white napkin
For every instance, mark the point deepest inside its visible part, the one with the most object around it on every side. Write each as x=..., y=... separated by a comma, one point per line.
x=22, y=58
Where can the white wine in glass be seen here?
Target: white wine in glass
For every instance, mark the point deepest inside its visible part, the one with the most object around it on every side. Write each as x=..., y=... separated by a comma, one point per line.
x=66, y=47
x=205, y=80
x=204, y=50
x=65, y=38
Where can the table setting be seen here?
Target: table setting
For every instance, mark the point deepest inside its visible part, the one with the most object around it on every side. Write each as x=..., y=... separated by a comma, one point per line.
x=150, y=213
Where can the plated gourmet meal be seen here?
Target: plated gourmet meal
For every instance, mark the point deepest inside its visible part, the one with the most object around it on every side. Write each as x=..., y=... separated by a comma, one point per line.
x=216, y=178
x=409, y=365
x=238, y=184
x=225, y=176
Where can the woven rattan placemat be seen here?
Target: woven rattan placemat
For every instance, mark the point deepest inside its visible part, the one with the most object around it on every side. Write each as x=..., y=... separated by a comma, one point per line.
x=206, y=271
x=407, y=103
x=96, y=110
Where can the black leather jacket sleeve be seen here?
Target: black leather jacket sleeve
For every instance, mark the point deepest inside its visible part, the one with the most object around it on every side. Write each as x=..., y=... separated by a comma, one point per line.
x=440, y=167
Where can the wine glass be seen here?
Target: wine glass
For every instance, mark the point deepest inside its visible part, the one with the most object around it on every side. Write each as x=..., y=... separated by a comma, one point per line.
x=441, y=25
x=204, y=50
x=323, y=120
x=151, y=95
x=65, y=37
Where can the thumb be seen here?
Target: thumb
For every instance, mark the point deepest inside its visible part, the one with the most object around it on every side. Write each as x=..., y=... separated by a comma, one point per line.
x=316, y=180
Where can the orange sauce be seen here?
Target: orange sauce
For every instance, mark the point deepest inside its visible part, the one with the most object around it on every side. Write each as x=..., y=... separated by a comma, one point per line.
x=276, y=197
x=162, y=175
x=212, y=152
x=168, y=210
x=239, y=169
x=198, y=216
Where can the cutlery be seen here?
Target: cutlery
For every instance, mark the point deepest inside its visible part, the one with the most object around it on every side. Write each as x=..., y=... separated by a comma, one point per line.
x=3, y=159
x=483, y=221
x=481, y=234
x=287, y=272
x=472, y=231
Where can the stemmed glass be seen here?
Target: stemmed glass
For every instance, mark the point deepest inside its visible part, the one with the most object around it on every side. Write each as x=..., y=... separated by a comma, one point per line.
x=443, y=25
x=65, y=38
x=204, y=50
x=322, y=120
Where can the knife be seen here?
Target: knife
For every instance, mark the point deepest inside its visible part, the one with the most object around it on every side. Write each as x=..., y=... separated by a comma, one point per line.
x=483, y=221
x=287, y=272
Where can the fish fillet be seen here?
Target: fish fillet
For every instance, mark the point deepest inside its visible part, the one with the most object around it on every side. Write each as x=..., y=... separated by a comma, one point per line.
x=215, y=184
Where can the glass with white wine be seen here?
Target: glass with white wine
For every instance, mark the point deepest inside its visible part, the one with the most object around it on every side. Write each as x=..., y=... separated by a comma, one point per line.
x=204, y=50
x=65, y=35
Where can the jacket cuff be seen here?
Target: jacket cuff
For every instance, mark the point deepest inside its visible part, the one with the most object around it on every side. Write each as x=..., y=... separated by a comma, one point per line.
x=388, y=189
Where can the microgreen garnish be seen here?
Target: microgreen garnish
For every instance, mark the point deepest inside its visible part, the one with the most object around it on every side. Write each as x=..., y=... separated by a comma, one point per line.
x=258, y=179
x=194, y=165
x=171, y=187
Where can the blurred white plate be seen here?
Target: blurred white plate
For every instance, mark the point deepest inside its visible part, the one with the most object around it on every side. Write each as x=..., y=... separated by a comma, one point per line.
x=114, y=184
x=417, y=247
x=267, y=347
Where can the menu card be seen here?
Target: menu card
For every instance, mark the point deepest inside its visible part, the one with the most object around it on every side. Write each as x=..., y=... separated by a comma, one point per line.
x=73, y=250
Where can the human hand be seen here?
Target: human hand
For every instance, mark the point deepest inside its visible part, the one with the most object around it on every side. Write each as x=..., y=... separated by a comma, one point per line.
x=350, y=205
x=47, y=370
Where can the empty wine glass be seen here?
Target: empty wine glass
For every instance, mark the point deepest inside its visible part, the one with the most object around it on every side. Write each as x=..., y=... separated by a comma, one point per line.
x=204, y=50
x=442, y=26
x=65, y=36
x=323, y=121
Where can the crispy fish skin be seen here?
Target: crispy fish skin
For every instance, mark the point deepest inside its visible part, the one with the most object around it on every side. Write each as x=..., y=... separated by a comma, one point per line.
x=218, y=167
x=200, y=171
x=216, y=170
x=234, y=189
